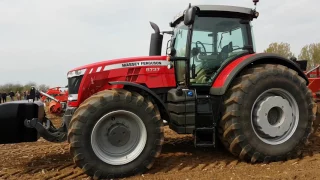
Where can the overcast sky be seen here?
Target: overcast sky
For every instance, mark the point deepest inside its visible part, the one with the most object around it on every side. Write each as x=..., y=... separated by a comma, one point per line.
x=40, y=40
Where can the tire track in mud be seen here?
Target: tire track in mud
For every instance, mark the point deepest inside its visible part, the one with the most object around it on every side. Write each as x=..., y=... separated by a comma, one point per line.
x=62, y=171
x=179, y=160
x=180, y=155
x=37, y=160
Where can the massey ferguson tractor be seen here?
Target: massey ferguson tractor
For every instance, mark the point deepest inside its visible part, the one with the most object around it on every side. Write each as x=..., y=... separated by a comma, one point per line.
x=211, y=83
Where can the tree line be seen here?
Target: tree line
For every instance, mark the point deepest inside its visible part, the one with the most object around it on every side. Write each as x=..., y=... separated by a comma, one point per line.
x=21, y=88
x=310, y=52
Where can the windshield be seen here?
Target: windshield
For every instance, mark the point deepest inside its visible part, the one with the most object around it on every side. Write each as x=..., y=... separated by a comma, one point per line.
x=211, y=35
x=180, y=35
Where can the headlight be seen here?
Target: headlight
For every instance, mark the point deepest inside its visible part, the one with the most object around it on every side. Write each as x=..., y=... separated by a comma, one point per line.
x=73, y=97
x=76, y=73
x=169, y=51
x=257, y=14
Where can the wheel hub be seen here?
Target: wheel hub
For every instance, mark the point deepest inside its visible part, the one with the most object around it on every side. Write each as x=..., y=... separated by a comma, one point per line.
x=118, y=135
x=274, y=116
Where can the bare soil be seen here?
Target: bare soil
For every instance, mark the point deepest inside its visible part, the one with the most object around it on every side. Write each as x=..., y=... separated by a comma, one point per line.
x=179, y=160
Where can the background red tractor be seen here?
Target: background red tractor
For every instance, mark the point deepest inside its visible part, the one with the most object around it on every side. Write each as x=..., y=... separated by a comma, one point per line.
x=314, y=84
x=56, y=99
x=211, y=83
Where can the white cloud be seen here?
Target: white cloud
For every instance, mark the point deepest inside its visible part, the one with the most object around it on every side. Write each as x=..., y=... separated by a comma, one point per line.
x=42, y=40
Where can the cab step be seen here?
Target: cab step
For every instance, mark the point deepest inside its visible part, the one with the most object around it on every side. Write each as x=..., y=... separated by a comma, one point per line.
x=204, y=137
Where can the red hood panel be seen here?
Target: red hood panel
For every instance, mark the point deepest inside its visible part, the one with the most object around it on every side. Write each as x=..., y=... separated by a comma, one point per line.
x=122, y=60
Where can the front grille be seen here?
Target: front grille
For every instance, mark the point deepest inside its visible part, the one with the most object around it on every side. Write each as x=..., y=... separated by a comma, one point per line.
x=74, y=84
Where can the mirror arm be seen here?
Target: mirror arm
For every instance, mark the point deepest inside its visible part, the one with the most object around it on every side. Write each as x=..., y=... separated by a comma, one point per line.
x=167, y=32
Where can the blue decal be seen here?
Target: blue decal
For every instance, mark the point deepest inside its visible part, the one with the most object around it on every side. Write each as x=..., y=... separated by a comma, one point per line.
x=190, y=93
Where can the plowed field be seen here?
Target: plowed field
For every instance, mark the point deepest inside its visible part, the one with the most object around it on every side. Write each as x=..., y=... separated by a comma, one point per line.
x=179, y=160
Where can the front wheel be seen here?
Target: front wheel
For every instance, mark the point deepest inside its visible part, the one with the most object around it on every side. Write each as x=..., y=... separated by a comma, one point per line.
x=116, y=133
x=268, y=114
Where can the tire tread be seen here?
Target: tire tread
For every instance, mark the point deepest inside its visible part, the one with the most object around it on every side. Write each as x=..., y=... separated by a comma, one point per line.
x=79, y=121
x=230, y=132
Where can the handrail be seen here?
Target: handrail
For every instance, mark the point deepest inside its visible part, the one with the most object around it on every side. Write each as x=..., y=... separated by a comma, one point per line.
x=51, y=97
x=318, y=66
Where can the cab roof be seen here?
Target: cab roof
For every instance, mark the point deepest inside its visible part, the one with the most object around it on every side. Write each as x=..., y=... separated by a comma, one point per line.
x=248, y=12
x=225, y=8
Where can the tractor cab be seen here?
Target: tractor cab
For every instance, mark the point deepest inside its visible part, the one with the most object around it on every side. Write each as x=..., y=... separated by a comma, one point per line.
x=207, y=37
x=204, y=41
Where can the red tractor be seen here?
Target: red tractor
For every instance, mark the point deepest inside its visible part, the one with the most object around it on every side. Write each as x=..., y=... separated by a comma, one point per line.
x=211, y=83
x=56, y=99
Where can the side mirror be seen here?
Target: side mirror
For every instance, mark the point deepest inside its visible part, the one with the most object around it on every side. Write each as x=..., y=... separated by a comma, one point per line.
x=190, y=15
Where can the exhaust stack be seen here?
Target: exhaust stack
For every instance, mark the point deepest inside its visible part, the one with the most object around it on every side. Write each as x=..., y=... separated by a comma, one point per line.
x=156, y=41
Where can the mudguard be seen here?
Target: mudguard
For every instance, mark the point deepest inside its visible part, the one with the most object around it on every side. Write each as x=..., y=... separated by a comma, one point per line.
x=162, y=107
x=12, y=118
x=231, y=70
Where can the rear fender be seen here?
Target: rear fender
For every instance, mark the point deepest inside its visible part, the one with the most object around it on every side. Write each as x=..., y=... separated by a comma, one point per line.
x=233, y=69
x=161, y=106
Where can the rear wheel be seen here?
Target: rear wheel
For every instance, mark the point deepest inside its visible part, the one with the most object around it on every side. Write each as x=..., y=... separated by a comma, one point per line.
x=115, y=133
x=268, y=114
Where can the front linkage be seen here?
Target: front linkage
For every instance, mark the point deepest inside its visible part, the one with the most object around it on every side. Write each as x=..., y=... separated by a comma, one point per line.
x=48, y=131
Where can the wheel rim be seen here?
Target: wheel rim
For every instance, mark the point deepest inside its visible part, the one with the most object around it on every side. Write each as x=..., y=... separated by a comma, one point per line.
x=275, y=116
x=118, y=137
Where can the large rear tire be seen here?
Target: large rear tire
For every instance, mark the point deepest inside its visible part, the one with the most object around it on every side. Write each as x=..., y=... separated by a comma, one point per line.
x=115, y=134
x=268, y=114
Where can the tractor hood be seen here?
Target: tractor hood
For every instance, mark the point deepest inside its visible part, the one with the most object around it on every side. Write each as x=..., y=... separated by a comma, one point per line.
x=116, y=64
x=84, y=80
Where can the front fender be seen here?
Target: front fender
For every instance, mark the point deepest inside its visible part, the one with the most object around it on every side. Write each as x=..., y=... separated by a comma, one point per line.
x=231, y=70
x=162, y=107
